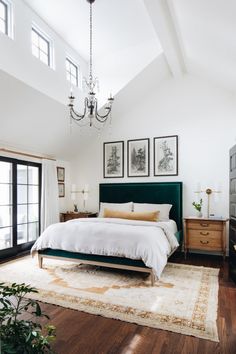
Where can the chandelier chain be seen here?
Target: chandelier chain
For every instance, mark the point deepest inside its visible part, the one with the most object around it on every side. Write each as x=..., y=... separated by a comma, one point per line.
x=91, y=42
x=90, y=102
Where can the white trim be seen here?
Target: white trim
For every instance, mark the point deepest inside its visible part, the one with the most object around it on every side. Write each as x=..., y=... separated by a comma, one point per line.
x=38, y=29
x=69, y=57
x=10, y=27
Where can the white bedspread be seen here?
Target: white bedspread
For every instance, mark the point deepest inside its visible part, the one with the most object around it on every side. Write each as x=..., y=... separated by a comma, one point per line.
x=152, y=242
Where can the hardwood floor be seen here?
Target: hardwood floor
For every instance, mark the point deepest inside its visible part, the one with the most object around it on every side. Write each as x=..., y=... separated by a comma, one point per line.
x=82, y=333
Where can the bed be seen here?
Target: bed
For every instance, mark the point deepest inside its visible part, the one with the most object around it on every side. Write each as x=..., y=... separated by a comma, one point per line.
x=153, y=193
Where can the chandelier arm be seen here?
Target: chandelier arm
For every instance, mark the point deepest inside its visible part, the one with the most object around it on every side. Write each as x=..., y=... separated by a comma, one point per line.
x=102, y=118
x=75, y=115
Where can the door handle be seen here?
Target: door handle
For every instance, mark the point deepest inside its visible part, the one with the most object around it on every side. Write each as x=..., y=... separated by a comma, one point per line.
x=204, y=242
x=204, y=233
x=204, y=225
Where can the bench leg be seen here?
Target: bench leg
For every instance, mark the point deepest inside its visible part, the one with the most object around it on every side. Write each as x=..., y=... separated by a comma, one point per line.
x=40, y=260
x=152, y=278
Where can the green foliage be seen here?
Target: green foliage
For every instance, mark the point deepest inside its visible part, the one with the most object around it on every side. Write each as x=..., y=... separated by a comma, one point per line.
x=18, y=336
x=197, y=206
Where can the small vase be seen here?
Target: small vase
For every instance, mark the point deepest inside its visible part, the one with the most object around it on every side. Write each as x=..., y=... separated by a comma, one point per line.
x=199, y=214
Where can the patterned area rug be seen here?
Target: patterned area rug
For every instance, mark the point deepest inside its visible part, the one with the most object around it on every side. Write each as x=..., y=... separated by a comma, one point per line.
x=184, y=300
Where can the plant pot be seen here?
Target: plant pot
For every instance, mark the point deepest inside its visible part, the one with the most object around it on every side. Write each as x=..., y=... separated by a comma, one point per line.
x=198, y=214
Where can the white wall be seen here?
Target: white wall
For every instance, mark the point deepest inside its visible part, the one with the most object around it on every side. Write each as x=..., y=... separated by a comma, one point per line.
x=202, y=115
x=17, y=60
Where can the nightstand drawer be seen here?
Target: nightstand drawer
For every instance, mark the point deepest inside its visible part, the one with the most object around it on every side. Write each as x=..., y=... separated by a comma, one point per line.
x=204, y=225
x=214, y=234
x=205, y=243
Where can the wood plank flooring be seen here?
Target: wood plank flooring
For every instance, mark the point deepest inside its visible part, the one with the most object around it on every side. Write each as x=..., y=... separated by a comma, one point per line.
x=82, y=333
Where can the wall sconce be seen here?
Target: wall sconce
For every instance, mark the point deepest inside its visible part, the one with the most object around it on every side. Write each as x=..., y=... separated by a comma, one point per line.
x=208, y=192
x=84, y=192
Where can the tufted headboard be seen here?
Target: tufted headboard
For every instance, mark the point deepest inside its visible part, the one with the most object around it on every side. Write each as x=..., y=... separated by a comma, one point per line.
x=153, y=192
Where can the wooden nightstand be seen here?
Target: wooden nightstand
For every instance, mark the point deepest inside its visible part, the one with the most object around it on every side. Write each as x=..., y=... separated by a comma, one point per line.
x=205, y=234
x=72, y=215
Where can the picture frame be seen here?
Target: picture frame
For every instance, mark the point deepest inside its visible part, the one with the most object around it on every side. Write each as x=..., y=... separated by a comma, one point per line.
x=61, y=174
x=165, y=155
x=113, y=159
x=138, y=160
x=61, y=190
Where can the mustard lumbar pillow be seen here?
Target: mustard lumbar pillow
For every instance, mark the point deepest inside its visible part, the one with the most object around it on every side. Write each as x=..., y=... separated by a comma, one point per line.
x=149, y=216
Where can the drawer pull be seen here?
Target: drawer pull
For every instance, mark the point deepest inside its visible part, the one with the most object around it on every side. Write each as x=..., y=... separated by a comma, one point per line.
x=235, y=247
x=204, y=233
x=204, y=242
x=204, y=225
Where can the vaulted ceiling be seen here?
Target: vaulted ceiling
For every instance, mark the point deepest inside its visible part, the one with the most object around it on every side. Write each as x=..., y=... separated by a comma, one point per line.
x=150, y=39
x=197, y=36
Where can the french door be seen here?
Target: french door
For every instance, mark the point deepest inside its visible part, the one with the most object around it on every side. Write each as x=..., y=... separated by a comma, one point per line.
x=20, y=190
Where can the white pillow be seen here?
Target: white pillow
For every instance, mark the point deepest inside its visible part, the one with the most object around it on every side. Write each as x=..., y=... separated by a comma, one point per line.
x=164, y=209
x=115, y=206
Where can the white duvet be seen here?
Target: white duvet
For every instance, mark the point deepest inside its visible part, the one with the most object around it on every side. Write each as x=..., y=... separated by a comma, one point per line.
x=152, y=242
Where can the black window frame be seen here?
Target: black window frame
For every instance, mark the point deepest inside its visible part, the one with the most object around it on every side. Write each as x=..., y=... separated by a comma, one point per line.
x=39, y=34
x=6, y=20
x=17, y=249
x=71, y=63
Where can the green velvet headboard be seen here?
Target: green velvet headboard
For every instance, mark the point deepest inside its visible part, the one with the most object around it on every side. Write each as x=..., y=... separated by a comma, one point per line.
x=153, y=192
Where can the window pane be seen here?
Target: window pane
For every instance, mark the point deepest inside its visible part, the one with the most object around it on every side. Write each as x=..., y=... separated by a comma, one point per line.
x=21, y=233
x=2, y=11
x=67, y=65
x=43, y=45
x=5, y=216
x=21, y=174
x=33, y=194
x=2, y=26
x=5, y=194
x=33, y=212
x=44, y=58
x=5, y=238
x=73, y=70
x=68, y=76
x=21, y=214
x=21, y=194
x=5, y=172
x=73, y=80
x=35, y=51
x=35, y=38
x=33, y=231
x=33, y=175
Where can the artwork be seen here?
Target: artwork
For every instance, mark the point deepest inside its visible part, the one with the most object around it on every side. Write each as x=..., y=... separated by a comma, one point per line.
x=113, y=159
x=138, y=158
x=166, y=156
x=61, y=190
x=60, y=174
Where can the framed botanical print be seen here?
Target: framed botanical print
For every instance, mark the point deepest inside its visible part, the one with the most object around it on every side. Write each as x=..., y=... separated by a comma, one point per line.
x=113, y=159
x=138, y=157
x=61, y=190
x=61, y=174
x=166, y=156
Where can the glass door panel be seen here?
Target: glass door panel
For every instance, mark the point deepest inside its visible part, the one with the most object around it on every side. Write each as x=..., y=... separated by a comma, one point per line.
x=5, y=237
x=6, y=217
x=22, y=234
x=19, y=205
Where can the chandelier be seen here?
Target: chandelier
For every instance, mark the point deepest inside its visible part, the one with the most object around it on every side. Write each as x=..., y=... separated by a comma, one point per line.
x=90, y=110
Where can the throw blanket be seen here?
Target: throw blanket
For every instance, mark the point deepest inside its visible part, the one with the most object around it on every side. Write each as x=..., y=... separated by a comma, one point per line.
x=152, y=242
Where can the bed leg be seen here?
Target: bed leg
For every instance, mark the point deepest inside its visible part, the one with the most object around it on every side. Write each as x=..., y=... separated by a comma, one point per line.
x=152, y=278
x=40, y=260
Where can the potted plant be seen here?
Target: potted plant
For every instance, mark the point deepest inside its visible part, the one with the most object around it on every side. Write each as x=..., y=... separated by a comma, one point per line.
x=16, y=334
x=198, y=207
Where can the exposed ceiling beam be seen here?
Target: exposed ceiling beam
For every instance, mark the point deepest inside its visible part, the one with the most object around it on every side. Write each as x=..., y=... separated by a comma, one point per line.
x=162, y=16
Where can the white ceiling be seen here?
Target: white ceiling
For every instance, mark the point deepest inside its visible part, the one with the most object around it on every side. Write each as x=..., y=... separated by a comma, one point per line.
x=206, y=31
x=118, y=24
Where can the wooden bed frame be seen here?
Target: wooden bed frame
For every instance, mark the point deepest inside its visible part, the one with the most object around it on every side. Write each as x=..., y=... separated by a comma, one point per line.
x=154, y=193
